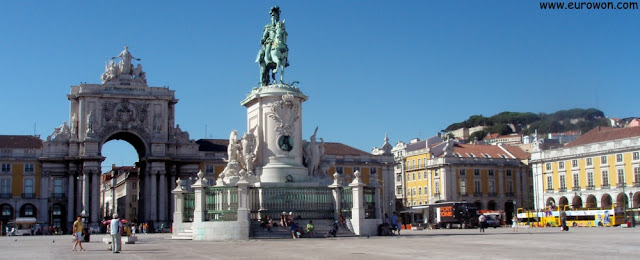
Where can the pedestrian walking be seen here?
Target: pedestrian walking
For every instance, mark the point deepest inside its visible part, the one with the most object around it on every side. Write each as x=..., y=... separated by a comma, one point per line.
x=482, y=220
x=116, y=228
x=77, y=234
x=514, y=223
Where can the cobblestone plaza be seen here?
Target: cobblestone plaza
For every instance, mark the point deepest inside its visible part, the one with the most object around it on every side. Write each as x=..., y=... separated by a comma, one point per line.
x=500, y=243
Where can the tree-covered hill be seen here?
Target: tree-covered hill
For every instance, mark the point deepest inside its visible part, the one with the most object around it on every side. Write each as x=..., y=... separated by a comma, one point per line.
x=576, y=119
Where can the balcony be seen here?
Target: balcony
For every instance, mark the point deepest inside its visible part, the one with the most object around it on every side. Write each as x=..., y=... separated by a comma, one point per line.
x=636, y=184
x=605, y=187
x=28, y=195
x=620, y=185
x=5, y=195
x=493, y=194
x=563, y=189
x=477, y=194
x=591, y=187
x=464, y=194
x=576, y=188
x=509, y=194
x=550, y=190
x=437, y=194
x=57, y=195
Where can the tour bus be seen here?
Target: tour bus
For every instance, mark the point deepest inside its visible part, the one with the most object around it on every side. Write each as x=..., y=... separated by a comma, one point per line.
x=22, y=226
x=452, y=214
x=586, y=217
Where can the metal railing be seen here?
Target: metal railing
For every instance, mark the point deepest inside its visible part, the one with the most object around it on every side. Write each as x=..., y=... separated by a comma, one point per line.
x=477, y=194
x=221, y=204
x=591, y=187
x=346, y=203
x=189, y=206
x=606, y=186
x=28, y=195
x=464, y=194
x=550, y=190
x=369, y=203
x=564, y=189
x=576, y=188
x=5, y=195
x=306, y=203
x=493, y=194
x=57, y=195
x=509, y=194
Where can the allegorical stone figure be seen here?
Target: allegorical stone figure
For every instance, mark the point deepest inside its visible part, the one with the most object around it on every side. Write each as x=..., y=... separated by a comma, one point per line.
x=125, y=63
x=90, y=123
x=274, y=51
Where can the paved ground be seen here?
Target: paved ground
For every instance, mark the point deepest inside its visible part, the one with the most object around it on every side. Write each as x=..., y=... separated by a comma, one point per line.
x=501, y=243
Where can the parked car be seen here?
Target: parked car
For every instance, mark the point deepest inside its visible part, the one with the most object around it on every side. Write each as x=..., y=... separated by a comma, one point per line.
x=492, y=221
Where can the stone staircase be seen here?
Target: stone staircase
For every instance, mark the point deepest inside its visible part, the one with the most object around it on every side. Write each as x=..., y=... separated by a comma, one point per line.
x=322, y=226
x=187, y=234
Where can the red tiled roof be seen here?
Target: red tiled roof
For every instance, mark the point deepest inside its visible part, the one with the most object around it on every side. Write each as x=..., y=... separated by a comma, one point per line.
x=517, y=152
x=479, y=151
x=20, y=141
x=342, y=149
x=213, y=145
x=602, y=134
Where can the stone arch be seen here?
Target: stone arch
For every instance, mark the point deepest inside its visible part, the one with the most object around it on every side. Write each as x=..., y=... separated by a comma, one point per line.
x=28, y=210
x=636, y=200
x=605, y=201
x=592, y=202
x=478, y=204
x=622, y=200
x=563, y=201
x=58, y=215
x=491, y=205
x=576, y=202
x=551, y=202
x=509, y=210
x=136, y=140
x=6, y=212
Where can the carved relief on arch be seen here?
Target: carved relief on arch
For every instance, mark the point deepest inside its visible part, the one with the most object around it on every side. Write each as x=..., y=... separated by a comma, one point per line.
x=107, y=110
x=124, y=112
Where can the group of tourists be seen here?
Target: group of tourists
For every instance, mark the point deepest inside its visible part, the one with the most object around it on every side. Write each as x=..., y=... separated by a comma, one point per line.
x=390, y=225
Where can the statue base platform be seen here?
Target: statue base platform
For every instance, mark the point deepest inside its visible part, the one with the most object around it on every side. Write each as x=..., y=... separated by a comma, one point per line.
x=283, y=173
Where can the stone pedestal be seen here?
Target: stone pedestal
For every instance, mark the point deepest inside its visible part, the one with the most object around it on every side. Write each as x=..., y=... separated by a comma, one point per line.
x=274, y=113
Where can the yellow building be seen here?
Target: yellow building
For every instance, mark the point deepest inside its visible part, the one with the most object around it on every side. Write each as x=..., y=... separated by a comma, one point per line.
x=20, y=178
x=492, y=177
x=600, y=169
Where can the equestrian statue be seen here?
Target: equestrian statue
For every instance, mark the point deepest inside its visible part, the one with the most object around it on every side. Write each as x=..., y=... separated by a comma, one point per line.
x=274, y=53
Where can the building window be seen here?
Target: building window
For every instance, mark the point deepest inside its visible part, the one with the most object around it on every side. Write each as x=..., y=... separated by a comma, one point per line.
x=462, y=172
x=5, y=187
x=339, y=170
x=398, y=178
x=548, y=166
x=636, y=156
x=463, y=186
x=426, y=191
x=419, y=163
x=28, y=210
x=419, y=176
x=374, y=170
x=58, y=187
x=605, y=178
x=589, y=161
x=435, y=173
x=425, y=175
x=28, y=186
x=549, y=183
x=6, y=211
x=476, y=187
x=576, y=181
x=491, y=173
x=561, y=165
x=603, y=159
x=419, y=191
x=408, y=177
x=619, y=157
x=563, y=182
x=621, y=177
x=356, y=169
x=509, y=187
x=590, y=180
x=134, y=212
x=636, y=175
x=57, y=210
x=6, y=167
x=399, y=190
x=413, y=191
x=134, y=198
x=508, y=173
x=208, y=168
x=413, y=164
x=574, y=163
x=414, y=176
x=437, y=187
x=476, y=172
x=29, y=167
x=492, y=187
x=134, y=185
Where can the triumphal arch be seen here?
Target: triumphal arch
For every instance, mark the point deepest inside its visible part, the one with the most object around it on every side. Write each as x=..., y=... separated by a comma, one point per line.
x=122, y=107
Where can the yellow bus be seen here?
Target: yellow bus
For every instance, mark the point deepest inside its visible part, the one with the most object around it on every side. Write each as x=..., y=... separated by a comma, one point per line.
x=575, y=217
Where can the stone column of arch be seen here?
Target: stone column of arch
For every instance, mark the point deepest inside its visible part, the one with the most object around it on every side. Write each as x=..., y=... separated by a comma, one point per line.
x=171, y=187
x=163, y=194
x=95, y=193
x=85, y=192
x=70, y=198
x=154, y=195
x=147, y=195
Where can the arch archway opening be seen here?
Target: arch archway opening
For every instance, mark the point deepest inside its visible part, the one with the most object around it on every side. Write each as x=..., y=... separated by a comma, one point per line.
x=576, y=203
x=478, y=204
x=592, y=202
x=636, y=200
x=491, y=205
x=606, y=201
x=622, y=200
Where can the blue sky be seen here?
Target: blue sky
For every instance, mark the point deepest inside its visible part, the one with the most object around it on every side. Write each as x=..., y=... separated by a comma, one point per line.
x=409, y=68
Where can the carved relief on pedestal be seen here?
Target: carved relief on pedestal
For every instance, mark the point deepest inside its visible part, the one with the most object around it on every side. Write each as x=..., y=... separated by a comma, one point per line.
x=285, y=113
